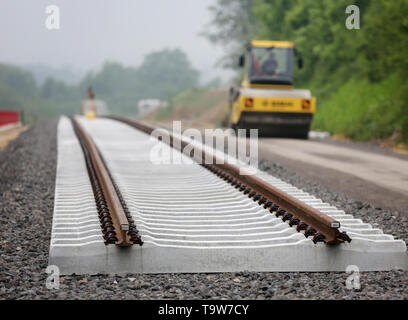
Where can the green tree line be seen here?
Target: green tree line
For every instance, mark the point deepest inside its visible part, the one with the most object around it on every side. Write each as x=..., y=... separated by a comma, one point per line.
x=162, y=75
x=359, y=76
x=19, y=91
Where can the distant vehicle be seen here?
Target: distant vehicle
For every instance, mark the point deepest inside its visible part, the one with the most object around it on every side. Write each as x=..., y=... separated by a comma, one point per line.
x=147, y=106
x=266, y=99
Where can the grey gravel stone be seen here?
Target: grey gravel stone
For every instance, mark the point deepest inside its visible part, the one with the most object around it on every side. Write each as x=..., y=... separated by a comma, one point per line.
x=27, y=175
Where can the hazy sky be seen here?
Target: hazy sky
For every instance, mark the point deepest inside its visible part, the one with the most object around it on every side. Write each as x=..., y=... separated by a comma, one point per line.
x=93, y=31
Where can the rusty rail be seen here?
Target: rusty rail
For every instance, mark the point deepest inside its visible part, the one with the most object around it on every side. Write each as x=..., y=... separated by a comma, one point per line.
x=303, y=216
x=116, y=221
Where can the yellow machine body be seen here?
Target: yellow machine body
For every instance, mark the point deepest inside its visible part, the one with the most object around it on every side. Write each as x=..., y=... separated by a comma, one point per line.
x=269, y=102
x=282, y=105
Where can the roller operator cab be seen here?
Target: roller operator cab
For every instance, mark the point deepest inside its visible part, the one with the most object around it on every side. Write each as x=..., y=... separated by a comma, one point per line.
x=266, y=99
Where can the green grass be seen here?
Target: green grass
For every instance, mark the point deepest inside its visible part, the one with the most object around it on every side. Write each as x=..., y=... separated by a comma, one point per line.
x=362, y=110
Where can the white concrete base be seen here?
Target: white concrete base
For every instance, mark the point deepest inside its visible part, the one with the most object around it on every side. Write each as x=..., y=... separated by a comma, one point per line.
x=306, y=257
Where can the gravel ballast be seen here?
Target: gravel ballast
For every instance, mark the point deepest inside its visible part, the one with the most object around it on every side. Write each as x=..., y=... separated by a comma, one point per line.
x=27, y=175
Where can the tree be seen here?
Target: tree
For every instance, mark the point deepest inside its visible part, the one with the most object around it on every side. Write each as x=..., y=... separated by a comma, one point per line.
x=161, y=75
x=18, y=79
x=165, y=73
x=233, y=24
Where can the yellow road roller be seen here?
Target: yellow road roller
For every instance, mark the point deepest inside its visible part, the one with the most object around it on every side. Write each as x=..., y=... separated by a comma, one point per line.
x=266, y=99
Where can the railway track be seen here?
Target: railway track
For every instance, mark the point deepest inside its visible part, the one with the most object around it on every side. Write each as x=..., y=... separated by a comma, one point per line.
x=300, y=214
x=117, y=224
x=192, y=218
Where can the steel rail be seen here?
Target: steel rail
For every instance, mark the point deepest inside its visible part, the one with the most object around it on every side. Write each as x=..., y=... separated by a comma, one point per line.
x=117, y=225
x=303, y=216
